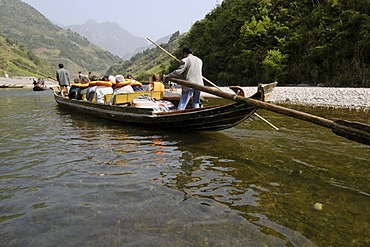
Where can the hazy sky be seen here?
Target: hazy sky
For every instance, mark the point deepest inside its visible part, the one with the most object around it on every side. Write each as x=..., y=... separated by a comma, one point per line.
x=143, y=18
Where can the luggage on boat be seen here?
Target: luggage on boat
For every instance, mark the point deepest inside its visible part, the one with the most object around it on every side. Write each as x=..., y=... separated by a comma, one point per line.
x=145, y=101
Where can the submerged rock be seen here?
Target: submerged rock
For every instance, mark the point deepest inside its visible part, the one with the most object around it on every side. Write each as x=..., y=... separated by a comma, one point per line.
x=318, y=206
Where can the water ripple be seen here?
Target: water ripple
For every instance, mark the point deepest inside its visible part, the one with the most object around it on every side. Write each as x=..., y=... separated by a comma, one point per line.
x=69, y=179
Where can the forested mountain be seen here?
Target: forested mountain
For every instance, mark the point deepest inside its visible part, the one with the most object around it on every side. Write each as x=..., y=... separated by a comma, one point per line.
x=15, y=60
x=241, y=42
x=309, y=41
x=111, y=37
x=22, y=24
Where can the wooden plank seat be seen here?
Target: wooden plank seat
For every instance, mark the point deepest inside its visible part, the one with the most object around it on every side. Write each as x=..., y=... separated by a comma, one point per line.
x=125, y=98
x=107, y=98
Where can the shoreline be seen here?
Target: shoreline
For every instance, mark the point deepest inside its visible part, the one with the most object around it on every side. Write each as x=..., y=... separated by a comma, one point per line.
x=331, y=97
x=22, y=82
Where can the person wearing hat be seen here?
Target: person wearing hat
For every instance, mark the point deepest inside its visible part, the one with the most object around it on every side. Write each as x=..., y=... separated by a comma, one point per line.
x=104, y=87
x=84, y=87
x=122, y=86
x=191, y=70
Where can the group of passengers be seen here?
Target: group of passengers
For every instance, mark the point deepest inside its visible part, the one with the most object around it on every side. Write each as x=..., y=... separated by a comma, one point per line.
x=93, y=88
x=40, y=82
x=190, y=69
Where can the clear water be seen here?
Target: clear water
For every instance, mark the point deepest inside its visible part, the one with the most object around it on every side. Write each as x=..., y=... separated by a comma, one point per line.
x=72, y=180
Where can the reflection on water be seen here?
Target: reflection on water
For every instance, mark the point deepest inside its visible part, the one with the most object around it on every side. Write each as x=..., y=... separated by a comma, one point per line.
x=67, y=179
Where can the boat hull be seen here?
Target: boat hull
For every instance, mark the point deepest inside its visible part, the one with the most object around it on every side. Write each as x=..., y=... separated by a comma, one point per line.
x=38, y=88
x=205, y=119
x=212, y=118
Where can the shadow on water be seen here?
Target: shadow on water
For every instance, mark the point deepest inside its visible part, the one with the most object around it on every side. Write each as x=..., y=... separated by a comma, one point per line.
x=72, y=179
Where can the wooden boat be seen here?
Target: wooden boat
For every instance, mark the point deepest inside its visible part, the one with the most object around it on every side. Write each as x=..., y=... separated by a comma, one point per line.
x=39, y=88
x=354, y=131
x=210, y=118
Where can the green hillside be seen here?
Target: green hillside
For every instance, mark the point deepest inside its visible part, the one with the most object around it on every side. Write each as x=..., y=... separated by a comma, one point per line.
x=241, y=42
x=244, y=42
x=16, y=61
x=24, y=25
x=314, y=42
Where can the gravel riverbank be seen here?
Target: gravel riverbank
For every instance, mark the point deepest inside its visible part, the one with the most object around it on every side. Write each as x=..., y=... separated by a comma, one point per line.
x=350, y=98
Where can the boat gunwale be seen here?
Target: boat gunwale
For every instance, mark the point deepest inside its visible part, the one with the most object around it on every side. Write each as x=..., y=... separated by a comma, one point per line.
x=209, y=118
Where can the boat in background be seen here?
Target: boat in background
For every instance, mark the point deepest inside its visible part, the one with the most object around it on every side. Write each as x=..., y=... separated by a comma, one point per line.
x=208, y=118
x=39, y=88
x=39, y=85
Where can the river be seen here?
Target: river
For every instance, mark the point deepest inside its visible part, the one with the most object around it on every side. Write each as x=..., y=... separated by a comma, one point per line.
x=73, y=180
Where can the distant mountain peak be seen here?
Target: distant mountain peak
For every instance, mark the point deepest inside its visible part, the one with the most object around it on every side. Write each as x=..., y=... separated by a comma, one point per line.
x=90, y=22
x=111, y=37
x=24, y=25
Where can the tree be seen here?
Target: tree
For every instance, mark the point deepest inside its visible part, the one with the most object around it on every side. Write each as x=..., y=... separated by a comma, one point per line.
x=249, y=41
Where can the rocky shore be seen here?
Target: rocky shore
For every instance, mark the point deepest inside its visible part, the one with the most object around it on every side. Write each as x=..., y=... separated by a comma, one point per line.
x=22, y=82
x=350, y=98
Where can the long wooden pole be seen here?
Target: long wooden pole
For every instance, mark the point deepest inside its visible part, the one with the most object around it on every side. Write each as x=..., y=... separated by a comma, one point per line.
x=354, y=131
x=263, y=119
x=160, y=47
x=168, y=53
x=35, y=71
x=165, y=51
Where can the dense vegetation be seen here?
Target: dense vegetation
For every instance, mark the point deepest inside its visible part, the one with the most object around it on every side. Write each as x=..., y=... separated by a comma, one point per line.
x=15, y=60
x=309, y=41
x=242, y=42
x=24, y=25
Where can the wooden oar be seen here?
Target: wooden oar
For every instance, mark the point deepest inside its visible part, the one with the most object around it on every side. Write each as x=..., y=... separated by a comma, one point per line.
x=358, y=132
x=263, y=119
x=168, y=53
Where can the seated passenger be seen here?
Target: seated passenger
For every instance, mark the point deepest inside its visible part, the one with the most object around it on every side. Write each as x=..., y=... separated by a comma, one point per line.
x=156, y=84
x=91, y=89
x=112, y=79
x=74, y=89
x=103, y=88
x=122, y=86
x=136, y=85
x=83, y=87
x=41, y=82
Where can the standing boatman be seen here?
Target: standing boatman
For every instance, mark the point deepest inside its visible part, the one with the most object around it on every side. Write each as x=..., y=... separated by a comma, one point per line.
x=191, y=70
x=63, y=78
